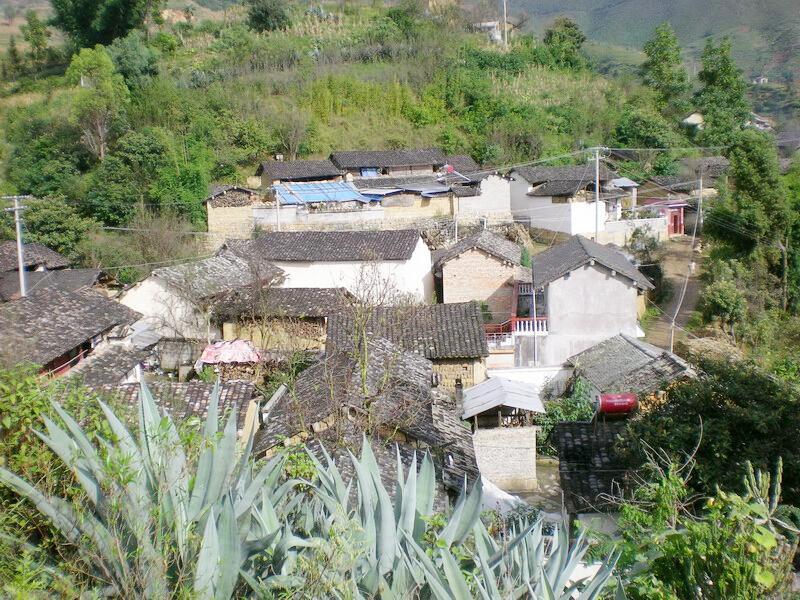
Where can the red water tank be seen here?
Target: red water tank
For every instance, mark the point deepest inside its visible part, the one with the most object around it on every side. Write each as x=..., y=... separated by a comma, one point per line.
x=617, y=404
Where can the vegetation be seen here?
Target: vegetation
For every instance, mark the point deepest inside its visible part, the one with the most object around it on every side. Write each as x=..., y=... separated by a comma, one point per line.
x=575, y=405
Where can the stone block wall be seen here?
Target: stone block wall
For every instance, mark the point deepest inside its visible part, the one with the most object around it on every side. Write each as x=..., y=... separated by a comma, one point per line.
x=469, y=371
x=507, y=456
x=476, y=275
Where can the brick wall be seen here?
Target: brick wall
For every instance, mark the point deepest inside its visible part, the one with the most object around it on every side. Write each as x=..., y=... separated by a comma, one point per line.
x=476, y=275
x=507, y=456
x=470, y=371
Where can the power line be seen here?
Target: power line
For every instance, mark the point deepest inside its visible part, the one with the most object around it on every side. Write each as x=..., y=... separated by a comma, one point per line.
x=163, y=262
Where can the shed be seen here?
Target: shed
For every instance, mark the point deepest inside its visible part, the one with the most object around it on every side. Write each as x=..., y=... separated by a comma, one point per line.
x=496, y=393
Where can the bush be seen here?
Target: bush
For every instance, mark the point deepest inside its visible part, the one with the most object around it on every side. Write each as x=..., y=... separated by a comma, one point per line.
x=267, y=15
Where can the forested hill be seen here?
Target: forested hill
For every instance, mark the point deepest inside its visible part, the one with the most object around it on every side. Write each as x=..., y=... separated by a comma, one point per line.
x=766, y=34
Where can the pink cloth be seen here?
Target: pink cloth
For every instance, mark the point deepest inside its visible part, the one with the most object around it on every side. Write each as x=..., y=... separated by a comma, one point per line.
x=236, y=351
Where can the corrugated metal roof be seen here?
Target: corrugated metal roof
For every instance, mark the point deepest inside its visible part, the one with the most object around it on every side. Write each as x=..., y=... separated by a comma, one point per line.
x=317, y=191
x=497, y=391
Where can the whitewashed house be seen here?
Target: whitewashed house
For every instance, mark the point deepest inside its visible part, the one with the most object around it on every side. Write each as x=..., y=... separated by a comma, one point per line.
x=176, y=301
x=398, y=260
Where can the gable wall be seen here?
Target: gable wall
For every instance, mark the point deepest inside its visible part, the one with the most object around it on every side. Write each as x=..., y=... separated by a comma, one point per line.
x=476, y=275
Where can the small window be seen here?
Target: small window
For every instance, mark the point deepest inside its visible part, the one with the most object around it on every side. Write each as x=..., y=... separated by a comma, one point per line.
x=567, y=274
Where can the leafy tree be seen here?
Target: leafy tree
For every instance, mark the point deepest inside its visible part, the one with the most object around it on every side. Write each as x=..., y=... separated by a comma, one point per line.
x=267, y=15
x=14, y=58
x=722, y=98
x=732, y=413
x=57, y=225
x=99, y=105
x=564, y=39
x=663, y=69
x=722, y=300
x=644, y=128
x=91, y=22
x=35, y=32
x=134, y=60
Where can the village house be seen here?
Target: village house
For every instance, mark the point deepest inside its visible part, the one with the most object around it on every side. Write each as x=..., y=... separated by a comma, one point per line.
x=229, y=210
x=502, y=413
x=451, y=336
x=483, y=267
x=56, y=329
x=563, y=199
x=396, y=261
x=585, y=293
x=280, y=171
x=273, y=318
x=667, y=196
x=176, y=301
x=391, y=163
x=112, y=365
x=37, y=257
x=396, y=400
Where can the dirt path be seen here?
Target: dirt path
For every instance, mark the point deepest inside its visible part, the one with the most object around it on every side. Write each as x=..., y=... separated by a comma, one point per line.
x=675, y=264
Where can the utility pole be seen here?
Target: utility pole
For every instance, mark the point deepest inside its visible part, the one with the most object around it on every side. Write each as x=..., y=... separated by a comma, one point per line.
x=505, y=23
x=17, y=210
x=597, y=195
x=700, y=201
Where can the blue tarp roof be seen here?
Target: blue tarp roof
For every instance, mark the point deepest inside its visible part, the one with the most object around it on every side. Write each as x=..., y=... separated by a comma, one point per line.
x=319, y=191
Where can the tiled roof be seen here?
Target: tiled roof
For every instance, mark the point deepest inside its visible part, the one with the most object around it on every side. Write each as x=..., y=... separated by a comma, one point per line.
x=185, y=400
x=298, y=170
x=578, y=251
x=330, y=246
x=463, y=164
x=66, y=280
x=402, y=396
x=561, y=187
x=231, y=196
x=35, y=256
x=675, y=184
x=466, y=191
x=108, y=366
x=435, y=331
x=625, y=364
x=47, y=324
x=588, y=465
x=711, y=167
x=217, y=274
x=279, y=302
x=408, y=182
x=536, y=175
x=485, y=240
x=357, y=159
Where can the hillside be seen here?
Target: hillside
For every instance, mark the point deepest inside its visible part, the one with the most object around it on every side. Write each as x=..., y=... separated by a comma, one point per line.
x=766, y=34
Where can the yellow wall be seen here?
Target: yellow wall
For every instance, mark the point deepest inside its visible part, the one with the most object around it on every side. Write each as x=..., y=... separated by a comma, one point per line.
x=294, y=335
x=230, y=221
x=421, y=208
x=471, y=372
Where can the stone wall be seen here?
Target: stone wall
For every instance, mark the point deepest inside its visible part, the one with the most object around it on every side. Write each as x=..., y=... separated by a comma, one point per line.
x=477, y=275
x=469, y=371
x=507, y=456
x=280, y=334
x=230, y=221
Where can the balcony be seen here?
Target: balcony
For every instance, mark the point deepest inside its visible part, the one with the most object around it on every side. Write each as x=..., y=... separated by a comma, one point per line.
x=501, y=335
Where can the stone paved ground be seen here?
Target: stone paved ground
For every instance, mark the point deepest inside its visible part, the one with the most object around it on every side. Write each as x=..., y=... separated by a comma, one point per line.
x=675, y=263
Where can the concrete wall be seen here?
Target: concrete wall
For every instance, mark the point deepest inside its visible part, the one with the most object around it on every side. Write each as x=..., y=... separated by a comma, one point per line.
x=619, y=232
x=469, y=371
x=494, y=200
x=294, y=218
x=506, y=456
x=537, y=377
x=168, y=311
x=587, y=307
x=476, y=275
x=412, y=276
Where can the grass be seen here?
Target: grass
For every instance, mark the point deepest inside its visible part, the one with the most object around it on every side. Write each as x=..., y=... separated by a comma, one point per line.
x=650, y=316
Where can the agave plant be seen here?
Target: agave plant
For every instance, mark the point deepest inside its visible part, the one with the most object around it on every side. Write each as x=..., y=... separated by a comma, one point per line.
x=149, y=525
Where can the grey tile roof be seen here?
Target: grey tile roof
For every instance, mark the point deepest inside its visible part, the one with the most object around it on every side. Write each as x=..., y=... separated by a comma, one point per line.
x=588, y=464
x=298, y=170
x=625, y=364
x=231, y=196
x=108, y=366
x=217, y=274
x=536, y=175
x=185, y=400
x=463, y=164
x=674, y=183
x=47, y=324
x=408, y=182
x=499, y=247
x=325, y=246
x=465, y=191
x=435, y=331
x=279, y=302
x=578, y=251
x=402, y=396
x=561, y=187
x=357, y=159
x=712, y=167
x=35, y=256
x=66, y=280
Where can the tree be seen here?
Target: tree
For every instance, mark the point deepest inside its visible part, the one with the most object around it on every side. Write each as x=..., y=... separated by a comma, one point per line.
x=564, y=39
x=722, y=98
x=99, y=105
x=91, y=22
x=731, y=413
x=644, y=128
x=722, y=300
x=663, y=70
x=36, y=34
x=267, y=15
x=134, y=60
x=57, y=225
x=13, y=57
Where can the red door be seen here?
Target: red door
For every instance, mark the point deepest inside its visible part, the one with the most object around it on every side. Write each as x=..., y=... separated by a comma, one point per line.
x=676, y=223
